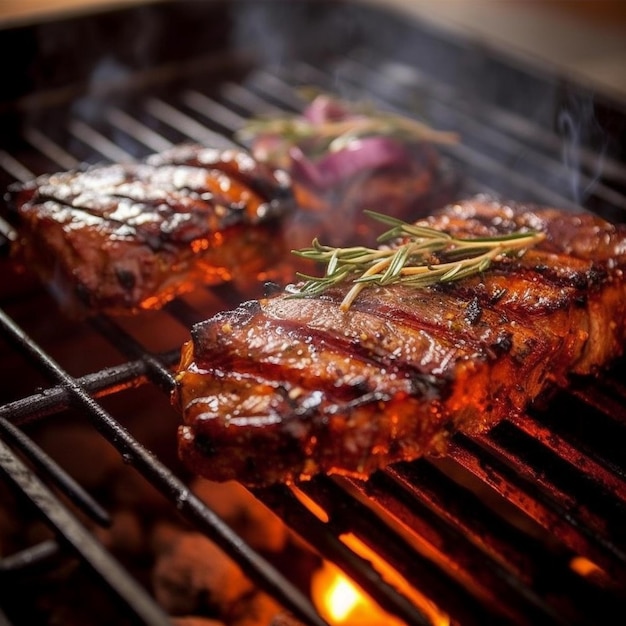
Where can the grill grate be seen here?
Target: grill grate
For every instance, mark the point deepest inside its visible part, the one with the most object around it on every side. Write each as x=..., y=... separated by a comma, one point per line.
x=489, y=534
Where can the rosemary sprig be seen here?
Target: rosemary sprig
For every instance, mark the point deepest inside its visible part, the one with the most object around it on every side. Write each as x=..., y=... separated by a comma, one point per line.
x=360, y=120
x=338, y=133
x=424, y=256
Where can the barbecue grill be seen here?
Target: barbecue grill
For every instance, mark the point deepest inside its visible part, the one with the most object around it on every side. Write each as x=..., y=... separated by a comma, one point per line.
x=524, y=525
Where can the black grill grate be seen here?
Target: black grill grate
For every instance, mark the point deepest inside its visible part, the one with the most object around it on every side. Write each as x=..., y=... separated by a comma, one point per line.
x=491, y=533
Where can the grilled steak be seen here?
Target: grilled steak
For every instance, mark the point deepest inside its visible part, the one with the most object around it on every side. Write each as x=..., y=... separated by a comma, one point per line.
x=283, y=388
x=125, y=237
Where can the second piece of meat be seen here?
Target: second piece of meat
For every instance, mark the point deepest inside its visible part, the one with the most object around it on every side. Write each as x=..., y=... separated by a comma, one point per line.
x=125, y=237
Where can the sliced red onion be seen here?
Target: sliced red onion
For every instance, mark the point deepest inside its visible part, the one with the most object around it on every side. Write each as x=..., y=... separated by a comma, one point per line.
x=304, y=169
x=323, y=109
x=366, y=154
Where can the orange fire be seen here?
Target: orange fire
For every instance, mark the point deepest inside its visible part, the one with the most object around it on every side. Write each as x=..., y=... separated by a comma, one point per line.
x=340, y=595
x=342, y=603
x=585, y=567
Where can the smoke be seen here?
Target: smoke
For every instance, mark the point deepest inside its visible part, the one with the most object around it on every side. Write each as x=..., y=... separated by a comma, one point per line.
x=578, y=127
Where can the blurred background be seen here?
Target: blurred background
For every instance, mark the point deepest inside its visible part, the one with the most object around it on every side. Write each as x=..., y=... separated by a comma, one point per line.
x=585, y=39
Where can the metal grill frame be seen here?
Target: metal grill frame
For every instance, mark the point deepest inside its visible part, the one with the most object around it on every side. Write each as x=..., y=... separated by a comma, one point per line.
x=480, y=567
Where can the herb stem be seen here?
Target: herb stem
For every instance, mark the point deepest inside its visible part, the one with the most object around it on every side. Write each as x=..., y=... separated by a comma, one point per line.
x=421, y=257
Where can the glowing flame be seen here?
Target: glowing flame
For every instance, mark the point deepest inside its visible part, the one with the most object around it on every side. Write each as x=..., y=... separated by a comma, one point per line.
x=341, y=598
x=342, y=603
x=585, y=567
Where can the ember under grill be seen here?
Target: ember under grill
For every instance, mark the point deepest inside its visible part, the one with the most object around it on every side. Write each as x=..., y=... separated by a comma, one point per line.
x=524, y=525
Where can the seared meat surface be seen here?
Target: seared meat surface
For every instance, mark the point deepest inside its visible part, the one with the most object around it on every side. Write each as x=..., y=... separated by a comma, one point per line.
x=124, y=237
x=283, y=388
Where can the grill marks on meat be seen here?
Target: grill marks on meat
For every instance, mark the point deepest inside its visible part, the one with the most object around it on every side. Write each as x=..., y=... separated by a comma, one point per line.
x=125, y=237
x=283, y=388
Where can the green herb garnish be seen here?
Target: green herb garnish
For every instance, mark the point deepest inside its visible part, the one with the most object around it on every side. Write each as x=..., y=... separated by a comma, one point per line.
x=337, y=133
x=357, y=121
x=424, y=257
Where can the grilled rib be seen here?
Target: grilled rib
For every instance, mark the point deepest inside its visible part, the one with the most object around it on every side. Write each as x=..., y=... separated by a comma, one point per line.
x=283, y=388
x=125, y=237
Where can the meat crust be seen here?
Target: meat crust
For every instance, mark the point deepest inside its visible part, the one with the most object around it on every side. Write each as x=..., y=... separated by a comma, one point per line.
x=283, y=388
x=124, y=237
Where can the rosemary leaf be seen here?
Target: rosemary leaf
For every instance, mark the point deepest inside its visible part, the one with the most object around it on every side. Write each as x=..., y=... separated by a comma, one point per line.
x=451, y=273
x=397, y=262
x=332, y=263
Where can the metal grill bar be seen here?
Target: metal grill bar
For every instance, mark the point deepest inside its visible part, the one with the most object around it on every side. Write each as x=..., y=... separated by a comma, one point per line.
x=98, y=384
x=51, y=470
x=459, y=596
x=14, y=167
x=533, y=427
x=35, y=556
x=523, y=493
x=516, y=554
x=51, y=149
x=138, y=131
x=588, y=508
x=157, y=371
x=3, y=619
x=607, y=398
x=188, y=125
x=103, y=144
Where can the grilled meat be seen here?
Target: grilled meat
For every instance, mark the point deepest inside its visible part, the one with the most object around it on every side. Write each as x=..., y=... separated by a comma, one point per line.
x=125, y=237
x=344, y=158
x=283, y=388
